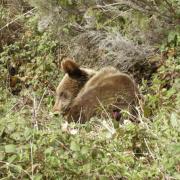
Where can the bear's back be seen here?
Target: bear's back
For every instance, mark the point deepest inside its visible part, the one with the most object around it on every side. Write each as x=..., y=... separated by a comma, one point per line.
x=108, y=87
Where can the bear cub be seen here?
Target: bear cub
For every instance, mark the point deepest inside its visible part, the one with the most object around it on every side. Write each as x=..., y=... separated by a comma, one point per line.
x=84, y=93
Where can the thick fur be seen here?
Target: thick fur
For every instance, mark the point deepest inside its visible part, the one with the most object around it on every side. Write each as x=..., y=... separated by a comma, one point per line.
x=108, y=90
x=84, y=93
x=73, y=81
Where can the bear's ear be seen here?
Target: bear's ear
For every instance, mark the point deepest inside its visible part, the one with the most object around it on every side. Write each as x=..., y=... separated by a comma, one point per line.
x=72, y=68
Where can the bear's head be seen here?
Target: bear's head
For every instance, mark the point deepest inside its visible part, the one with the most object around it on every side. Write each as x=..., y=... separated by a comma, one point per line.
x=73, y=81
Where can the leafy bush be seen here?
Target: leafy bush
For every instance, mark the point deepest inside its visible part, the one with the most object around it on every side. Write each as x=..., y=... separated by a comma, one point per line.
x=36, y=145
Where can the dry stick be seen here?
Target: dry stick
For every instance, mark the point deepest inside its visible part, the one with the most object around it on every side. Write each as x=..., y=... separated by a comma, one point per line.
x=110, y=125
x=108, y=5
x=41, y=101
x=149, y=149
x=59, y=52
x=36, y=125
x=35, y=112
x=101, y=105
x=170, y=7
x=12, y=165
x=36, y=108
x=140, y=109
x=32, y=162
x=19, y=17
x=12, y=108
x=79, y=120
x=62, y=145
x=34, y=115
x=160, y=169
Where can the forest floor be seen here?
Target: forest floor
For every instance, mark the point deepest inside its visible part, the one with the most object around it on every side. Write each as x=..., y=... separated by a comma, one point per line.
x=36, y=145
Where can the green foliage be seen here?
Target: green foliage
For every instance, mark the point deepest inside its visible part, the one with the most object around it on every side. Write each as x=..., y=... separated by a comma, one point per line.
x=51, y=149
x=141, y=20
x=32, y=57
x=36, y=145
x=54, y=149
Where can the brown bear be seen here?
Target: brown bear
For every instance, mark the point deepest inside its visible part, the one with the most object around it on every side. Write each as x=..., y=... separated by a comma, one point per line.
x=84, y=93
x=71, y=84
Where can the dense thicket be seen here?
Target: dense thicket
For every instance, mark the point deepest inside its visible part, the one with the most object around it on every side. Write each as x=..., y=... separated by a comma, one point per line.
x=121, y=33
x=139, y=37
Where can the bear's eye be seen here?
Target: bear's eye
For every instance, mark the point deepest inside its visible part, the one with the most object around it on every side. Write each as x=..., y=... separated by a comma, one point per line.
x=63, y=95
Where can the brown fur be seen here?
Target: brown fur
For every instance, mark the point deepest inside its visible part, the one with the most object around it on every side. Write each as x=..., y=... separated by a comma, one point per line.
x=82, y=92
x=73, y=81
x=108, y=89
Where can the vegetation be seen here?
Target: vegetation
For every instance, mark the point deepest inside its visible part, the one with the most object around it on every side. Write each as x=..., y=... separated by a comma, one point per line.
x=34, y=144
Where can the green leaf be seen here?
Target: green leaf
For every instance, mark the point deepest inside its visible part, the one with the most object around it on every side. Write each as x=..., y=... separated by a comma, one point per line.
x=87, y=168
x=11, y=148
x=12, y=158
x=17, y=136
x=84, y=150
x=103, y=178
x=27, y=133
x=171, y=36
x=176, y=148
x=171, y=92
x=49, y=150
x=2, y=155
x=38, y=177
x=74, y=146
x=17, y=168
x=174, y=121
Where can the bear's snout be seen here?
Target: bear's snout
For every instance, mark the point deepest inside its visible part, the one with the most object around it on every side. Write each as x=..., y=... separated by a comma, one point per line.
x=60, y=110
x=56, y=110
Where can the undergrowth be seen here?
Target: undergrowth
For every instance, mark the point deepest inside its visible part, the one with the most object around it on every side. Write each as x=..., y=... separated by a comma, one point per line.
x=36, y=145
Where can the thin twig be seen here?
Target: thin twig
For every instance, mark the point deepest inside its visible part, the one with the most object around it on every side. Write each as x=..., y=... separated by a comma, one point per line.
x=32, y=162
x=171, y=9
x=149, y=149
x=17, y=18
x=34, y=115
x=108, y=5
x=40, y=101
x=12, y=165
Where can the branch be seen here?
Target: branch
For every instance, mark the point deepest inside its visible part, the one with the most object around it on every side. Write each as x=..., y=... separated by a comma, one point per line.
x=19, y=17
